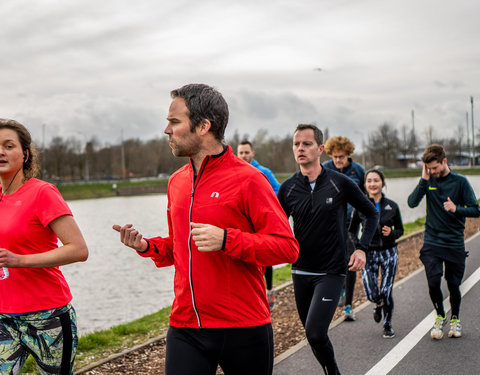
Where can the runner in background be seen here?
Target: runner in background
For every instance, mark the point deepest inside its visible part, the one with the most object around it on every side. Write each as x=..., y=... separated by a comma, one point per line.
x=340, y=149
x=246, y=152
x=317, y=199
x=382, y=252
x=450, y=199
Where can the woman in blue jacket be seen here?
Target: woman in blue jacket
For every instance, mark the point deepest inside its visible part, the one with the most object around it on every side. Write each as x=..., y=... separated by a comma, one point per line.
x=382, y=253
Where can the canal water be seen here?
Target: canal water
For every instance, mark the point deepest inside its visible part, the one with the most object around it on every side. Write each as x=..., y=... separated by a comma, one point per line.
x=116, y=285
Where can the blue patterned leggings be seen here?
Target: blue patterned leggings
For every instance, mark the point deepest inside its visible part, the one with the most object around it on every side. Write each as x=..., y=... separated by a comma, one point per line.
x=386, y=261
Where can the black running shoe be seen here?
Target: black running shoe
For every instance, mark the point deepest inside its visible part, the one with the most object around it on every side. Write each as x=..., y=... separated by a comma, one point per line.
x=377, y=313
x=388, y=332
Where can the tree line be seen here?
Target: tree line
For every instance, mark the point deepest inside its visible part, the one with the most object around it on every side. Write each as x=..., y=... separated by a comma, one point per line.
x=69, y=159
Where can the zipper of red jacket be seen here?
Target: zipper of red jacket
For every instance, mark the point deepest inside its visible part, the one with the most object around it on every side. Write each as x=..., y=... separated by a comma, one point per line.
x=195, y=182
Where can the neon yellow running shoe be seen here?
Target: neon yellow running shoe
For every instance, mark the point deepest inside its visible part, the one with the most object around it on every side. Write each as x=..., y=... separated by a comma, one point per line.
x=437, y=330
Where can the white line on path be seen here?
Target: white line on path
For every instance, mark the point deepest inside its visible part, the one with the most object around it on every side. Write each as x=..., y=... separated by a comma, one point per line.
x=394, y=356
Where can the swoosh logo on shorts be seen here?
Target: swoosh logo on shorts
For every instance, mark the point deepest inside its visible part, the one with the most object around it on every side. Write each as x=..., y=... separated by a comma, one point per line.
x=327, y=299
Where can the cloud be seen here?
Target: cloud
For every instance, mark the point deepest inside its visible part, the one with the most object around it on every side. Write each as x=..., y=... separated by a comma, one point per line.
x=85, y=116
x=103, y=66
x=251, y=111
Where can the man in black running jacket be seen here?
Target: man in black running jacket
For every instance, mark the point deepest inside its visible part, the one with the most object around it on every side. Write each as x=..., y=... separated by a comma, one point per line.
x=317, y=198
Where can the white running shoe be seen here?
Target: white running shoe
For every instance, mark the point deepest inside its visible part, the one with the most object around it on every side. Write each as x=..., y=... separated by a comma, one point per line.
x=455, y=328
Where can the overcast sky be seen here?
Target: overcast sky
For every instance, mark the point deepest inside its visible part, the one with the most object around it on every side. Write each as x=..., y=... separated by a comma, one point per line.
x=87, y=68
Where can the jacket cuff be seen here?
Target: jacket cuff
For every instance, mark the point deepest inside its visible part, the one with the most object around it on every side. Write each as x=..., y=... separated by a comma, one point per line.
x=148, y=247
x=224, y=240
x=361, y=247
x=149, y=251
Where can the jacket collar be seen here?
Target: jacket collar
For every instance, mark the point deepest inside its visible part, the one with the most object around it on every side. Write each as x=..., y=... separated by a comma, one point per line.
x=211, y=161
x=305, y=179
x=381, y=199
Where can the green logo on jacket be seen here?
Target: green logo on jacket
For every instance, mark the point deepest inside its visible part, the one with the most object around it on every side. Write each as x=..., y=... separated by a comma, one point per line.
x=432, y=188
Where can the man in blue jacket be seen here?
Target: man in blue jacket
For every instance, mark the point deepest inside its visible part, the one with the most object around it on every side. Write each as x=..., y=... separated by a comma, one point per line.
x=246, y=152
x=450, y=199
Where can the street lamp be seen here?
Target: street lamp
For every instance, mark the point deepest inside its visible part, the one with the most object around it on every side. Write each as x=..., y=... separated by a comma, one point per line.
x=122, y=149
x=473, y=135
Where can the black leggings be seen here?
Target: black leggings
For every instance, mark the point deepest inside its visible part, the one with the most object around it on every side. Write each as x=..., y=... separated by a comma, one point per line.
x=350, y=287
x=351, y=275
x=435, y=291
x=434, y=260
x=317, y=299
x=238, y=351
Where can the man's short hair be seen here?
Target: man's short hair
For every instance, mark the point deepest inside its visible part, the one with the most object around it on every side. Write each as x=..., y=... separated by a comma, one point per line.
x=245, y=142
x=433, y=152
x=317, y=133
x=339, y=143
x=204, y=103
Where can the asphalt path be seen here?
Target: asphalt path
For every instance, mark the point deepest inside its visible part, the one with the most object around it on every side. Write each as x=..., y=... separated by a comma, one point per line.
x=361, y=349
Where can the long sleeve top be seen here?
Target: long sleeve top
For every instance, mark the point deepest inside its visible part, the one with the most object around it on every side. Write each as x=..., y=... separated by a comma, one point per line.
x=444, y=228
x=389, y=216
x=224, y=288
x=319, y=219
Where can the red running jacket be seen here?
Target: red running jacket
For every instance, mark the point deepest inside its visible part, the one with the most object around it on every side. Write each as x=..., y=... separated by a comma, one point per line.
x=225, y=288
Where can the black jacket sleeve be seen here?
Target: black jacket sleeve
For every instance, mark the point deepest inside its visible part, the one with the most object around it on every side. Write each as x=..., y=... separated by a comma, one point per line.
x=417, y=194
x=355, y=226
x=398, y=225
x=470, y=209
x=281, y=197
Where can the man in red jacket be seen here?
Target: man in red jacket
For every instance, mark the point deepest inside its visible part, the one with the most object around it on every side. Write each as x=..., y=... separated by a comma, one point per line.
x=225, y=226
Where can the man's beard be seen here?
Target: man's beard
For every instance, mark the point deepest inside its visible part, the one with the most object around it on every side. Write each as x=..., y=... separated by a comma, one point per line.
x=189, y=149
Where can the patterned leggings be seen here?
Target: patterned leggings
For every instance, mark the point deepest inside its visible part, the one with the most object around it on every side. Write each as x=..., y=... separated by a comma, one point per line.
x=386, y=261
x=50, y=336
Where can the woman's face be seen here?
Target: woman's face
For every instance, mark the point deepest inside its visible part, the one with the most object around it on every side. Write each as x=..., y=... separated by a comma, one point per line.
x=373, y=183
x=11, y=153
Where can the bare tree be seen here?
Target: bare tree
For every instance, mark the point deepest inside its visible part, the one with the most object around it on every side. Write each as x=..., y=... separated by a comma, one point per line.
x=384, y=145
x=429, y=135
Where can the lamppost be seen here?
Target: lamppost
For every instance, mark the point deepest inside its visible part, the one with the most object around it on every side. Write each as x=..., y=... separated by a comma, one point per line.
x=469, y=145
x=473, y=135
x=44, y=154
x=122, y=149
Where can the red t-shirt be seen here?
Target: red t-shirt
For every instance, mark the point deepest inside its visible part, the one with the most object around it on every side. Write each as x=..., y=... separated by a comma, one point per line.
x=24, y=219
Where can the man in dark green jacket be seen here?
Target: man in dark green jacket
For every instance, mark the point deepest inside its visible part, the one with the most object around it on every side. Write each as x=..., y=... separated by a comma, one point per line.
x=450, y=199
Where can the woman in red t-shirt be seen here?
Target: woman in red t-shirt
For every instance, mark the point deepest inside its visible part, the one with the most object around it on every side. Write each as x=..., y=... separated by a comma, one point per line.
x=36, y=316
